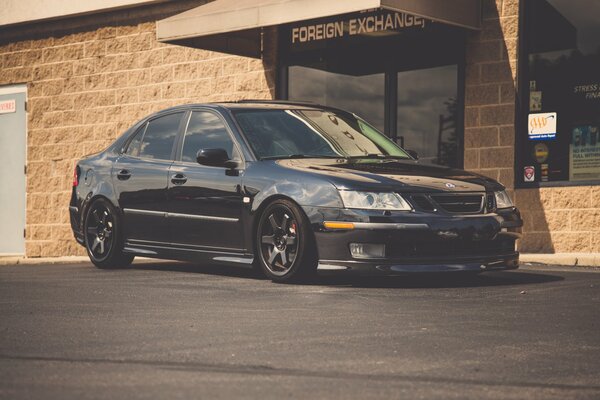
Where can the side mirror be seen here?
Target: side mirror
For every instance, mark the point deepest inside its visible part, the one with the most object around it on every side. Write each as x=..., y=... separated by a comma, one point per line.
x=413, y=154
x=215, y=158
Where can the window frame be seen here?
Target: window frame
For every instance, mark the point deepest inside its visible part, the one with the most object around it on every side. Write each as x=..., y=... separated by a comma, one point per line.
x=522, y=109
x=183, y=129
x=140, y=130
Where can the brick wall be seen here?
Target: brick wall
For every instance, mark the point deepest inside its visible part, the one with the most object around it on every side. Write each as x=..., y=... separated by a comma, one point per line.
x=560, y=220
x=490, y=92
x=86, y=88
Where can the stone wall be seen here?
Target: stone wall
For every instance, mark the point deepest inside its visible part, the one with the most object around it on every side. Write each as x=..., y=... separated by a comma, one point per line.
x=86, y=88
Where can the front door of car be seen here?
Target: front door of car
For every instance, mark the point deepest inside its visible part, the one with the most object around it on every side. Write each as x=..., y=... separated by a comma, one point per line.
x=205, y=202
x=140, y=177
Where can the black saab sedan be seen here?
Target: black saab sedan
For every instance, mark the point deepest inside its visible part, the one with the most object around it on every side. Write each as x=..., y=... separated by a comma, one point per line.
x=287, y=188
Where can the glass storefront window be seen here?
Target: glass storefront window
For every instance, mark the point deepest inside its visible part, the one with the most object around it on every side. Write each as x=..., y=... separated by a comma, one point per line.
x=428, y=113
x=561, y=140
x=362, y=95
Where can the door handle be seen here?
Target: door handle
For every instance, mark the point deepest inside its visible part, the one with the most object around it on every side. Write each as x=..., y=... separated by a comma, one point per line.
x=179, y=179
x=123, y=175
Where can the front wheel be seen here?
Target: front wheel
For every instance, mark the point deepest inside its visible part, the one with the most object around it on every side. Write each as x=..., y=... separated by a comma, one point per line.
x=103, y=240
x=285, y=246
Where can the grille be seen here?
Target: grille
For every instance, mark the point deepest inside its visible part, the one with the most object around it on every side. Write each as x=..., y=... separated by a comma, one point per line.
x=459, y=203
x=491, y=203
x=423, y=203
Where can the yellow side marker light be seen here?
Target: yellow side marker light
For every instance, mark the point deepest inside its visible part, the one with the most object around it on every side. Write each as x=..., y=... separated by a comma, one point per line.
x=338, y=225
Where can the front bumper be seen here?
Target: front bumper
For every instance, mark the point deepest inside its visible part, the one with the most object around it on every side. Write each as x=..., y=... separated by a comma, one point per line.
x=418, y=242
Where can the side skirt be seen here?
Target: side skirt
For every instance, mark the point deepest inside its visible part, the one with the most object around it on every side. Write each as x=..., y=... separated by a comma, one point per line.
x=170, y=251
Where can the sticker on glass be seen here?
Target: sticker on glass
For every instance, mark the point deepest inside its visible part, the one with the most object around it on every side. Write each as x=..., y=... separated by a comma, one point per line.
x=542, y=126
x=544, y=170
x=529, y=174
x=535, y=101
x=540, y=152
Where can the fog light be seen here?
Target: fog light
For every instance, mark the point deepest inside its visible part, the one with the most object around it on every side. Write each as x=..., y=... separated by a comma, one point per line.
x=367, y=250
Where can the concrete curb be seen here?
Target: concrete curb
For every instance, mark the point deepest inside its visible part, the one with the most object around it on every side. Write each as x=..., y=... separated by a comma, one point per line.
x=60, y=260
x=43, y=260
x=570, y=259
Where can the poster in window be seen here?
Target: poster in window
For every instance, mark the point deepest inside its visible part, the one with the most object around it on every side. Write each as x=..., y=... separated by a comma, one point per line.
x=584, y=153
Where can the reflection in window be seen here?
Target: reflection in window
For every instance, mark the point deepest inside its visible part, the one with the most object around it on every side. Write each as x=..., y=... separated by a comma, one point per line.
x=563, y=40
x=362, y=95
x=133, y=149
x=205, y=131
x=427, y=113
x=312, y=133
x=160, y=136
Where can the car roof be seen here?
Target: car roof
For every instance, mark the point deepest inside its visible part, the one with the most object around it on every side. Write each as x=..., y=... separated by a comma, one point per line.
x=248, y=105
x=270, y=105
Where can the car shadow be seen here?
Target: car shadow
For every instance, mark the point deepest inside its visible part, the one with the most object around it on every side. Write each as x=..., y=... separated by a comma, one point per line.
x=340, y=279
x=440, y=280
x=207, y=269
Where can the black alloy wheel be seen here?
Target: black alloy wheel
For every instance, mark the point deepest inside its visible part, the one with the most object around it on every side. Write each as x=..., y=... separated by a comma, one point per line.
x=102, y=236
x=285, y=246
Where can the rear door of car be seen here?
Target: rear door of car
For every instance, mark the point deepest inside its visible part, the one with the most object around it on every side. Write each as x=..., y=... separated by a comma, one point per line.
x=205, y=202
x=140, y=177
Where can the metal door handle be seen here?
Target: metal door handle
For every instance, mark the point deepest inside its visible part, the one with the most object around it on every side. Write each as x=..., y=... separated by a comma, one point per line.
x=179, y=179
x=123, y=175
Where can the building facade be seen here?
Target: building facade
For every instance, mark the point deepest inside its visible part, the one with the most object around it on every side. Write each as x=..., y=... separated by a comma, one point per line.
x=513, y=95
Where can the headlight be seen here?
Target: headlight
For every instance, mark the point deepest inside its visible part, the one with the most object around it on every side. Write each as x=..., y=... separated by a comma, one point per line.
x=503, y=199
x=374, y=201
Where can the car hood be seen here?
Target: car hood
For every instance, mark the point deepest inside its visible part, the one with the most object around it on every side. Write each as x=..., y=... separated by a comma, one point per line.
x=393, y=175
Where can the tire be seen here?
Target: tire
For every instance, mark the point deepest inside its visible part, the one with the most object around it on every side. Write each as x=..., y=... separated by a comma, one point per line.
x=285, y=246
x=103, y=236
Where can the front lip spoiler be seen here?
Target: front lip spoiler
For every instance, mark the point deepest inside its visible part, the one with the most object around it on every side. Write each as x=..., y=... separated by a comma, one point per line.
x=390, y=267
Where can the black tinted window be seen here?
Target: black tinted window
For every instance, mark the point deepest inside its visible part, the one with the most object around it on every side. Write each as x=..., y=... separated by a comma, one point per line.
x=133, y=149
x=160, y=136
x=205, y=131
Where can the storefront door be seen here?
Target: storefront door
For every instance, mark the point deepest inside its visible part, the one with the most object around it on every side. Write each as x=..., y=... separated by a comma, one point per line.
x=13, y=139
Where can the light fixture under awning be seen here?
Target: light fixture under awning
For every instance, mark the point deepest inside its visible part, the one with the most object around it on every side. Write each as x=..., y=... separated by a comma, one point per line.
x=234, y=26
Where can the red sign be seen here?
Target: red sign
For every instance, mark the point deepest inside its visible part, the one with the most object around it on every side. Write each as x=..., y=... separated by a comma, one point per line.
x=529, y=174
x=8, y=106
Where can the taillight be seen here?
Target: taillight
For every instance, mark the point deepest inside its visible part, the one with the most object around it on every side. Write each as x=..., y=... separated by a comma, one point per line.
x=76, y=176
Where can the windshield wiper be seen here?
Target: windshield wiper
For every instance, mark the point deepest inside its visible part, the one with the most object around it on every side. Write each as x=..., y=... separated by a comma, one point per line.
x=291, y=156
x=378, y=156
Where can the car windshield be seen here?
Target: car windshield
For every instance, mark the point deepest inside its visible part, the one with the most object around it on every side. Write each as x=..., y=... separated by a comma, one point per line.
x=297, y=133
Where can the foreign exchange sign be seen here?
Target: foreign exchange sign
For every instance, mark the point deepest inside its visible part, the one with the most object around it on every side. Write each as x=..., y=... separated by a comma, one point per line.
x=359, y=25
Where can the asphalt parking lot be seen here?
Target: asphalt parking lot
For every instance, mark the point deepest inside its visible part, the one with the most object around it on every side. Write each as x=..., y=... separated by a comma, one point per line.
x=171, y=330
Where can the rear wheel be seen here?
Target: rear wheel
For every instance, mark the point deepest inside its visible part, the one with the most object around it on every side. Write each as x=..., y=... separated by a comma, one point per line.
x=103, y=240
x=285, y=246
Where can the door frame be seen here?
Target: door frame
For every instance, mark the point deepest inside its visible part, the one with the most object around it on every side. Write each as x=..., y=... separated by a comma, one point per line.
x=18, y=89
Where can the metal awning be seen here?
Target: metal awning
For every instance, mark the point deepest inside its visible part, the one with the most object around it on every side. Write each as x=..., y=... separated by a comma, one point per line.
x=234, y=26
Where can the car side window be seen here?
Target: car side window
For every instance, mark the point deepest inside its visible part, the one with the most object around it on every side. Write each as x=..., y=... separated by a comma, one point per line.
x=160, y=136
x=133, y=148
x=205, y=131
